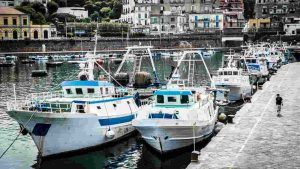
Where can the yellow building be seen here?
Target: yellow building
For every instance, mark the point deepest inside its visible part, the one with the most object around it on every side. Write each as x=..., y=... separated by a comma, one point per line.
x=16, y=25
x=255, y=24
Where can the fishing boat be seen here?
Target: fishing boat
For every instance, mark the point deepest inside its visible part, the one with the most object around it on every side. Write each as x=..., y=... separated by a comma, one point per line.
x=83, y=114
x=6, y=63
x=182, y=113
x=234, y=79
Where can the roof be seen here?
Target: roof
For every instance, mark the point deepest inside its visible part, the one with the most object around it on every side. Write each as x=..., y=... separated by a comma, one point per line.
x=172, y=92
x=10, y=11
x=86, y=83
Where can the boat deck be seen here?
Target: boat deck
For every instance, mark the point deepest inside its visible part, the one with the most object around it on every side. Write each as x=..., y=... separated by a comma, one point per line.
x=258, y=138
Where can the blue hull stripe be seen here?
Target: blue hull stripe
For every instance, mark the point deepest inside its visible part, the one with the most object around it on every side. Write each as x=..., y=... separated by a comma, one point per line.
x=41, y=129
x=116, y=120
x=102, y=101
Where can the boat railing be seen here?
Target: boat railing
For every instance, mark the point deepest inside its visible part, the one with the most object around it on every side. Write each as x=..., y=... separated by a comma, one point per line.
x=45, y=95
x=50, y=107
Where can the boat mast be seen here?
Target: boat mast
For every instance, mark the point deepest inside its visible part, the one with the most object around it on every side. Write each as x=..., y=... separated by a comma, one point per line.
x=91, y=58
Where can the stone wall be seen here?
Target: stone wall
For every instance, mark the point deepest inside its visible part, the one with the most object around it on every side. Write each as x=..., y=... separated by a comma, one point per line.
x=109, y=43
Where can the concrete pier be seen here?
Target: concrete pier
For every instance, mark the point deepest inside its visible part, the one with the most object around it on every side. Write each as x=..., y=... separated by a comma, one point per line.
x=258, y=138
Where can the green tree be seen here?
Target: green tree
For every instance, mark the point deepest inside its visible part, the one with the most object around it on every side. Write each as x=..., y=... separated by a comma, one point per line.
x=95, y=16
x=116, y=11
x=104, y=12
x=52, y=7
x=63, y=17
x=36, y=17
x=38, y=7
x=61, y=3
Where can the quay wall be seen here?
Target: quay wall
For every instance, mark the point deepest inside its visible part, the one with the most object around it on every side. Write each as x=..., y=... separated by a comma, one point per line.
x=108, y=43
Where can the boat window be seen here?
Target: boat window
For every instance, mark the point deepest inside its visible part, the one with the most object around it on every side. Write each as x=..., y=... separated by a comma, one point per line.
x=229, y=73
x=235, y=73
x=98, y=107
x=79, y=91
x=220, y=73
x=225, y=73
x=106, y=90
x=91, y=90
x=171, y=99
x=101, y=90
x=80, y=109
x=114, y=105
x=160, y=99
x=184, y=99
x=69, y=91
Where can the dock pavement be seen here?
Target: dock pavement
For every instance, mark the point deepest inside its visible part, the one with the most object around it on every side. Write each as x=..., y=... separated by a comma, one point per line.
x=258, y=138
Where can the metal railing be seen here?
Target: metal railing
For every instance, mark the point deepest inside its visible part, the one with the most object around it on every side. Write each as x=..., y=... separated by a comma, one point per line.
x=52, y=107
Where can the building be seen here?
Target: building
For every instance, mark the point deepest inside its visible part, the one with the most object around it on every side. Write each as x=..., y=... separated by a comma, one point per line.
x=15, y=25
x=206, y=22
x=254, y=25
x=277, y=10
x=231, y=5
x=78, y=12
x=7, y=3
x=292, y=26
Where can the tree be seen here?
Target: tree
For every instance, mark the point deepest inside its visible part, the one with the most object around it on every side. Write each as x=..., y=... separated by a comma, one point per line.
x=95, y=16
x=38, y=7
x=117, y=10
x=52, y=7
x=60, y=3
x=104, y=12
x=36, y=17
x=63, y=17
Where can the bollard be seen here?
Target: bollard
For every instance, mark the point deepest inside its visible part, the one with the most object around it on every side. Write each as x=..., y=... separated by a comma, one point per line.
x=194, y=156
x=230, y=118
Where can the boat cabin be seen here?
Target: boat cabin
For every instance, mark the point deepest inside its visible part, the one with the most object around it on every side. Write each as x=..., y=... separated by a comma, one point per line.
x=226, y=72
x=172, y=98
x=87, y=88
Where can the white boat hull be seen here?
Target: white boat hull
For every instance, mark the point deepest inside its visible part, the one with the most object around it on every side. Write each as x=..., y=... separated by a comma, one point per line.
x=55, y=133
x=168, y=135
x=236, y=92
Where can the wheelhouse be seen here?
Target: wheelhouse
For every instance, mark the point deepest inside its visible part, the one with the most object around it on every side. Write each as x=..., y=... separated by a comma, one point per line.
x=79, y=88
x=173, y=98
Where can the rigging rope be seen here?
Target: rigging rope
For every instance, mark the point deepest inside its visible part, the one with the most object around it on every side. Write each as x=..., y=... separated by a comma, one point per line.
x=17, y=135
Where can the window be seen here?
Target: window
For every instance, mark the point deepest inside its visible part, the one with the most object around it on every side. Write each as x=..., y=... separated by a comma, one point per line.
x=69, y=91
x=220, y=73
x=101, y=90
x=79, y=91
x=6, y=34
x=106, y=90
x=145, y=15
x=91, y=90
x=235, y=73
x=114, y=105
x=172, y=99
x=172, y=19
x=14, y=21
x=184, y=99
x=160, y=99
x=5, y=21
x=229, y=73
x=225, y=73
x=139, y=15
x=80, y=109
x=98, y=107
x=25, y=34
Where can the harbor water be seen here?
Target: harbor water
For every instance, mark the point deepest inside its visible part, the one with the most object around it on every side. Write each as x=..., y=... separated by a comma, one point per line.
x=128, y=153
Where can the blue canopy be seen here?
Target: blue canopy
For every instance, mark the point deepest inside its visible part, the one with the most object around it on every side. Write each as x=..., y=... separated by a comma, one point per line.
x=85, y=83
x=172, y=92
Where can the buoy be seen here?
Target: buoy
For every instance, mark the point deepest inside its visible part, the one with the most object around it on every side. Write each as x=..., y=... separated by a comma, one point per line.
x=222, y=117
x=122, y=78
x=142, y=79
x=110, y=134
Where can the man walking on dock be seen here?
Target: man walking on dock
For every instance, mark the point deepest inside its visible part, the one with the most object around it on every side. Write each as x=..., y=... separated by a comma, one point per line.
x=279, y=104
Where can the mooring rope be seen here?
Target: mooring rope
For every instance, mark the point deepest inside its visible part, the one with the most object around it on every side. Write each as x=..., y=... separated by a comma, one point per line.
x=17, y=135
